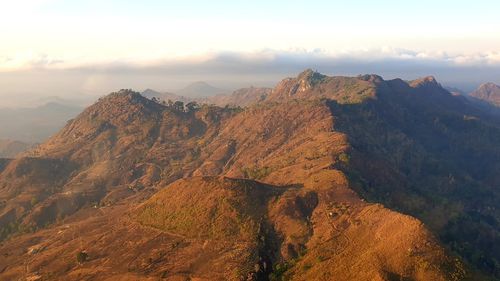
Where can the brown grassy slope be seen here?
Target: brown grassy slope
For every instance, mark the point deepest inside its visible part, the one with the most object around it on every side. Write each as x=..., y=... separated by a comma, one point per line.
x=317, y=228
x=267, y=140
x=221, y=243
x=219, y=208
x=119, y=248
x=304, y=219
x=113, y=150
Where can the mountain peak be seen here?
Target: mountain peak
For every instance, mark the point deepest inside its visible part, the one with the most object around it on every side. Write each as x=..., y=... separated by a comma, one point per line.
x=124, y=95
x=310, y=76
x=428, y=81
x=311, y=84
x=199, y=89
x=149, y=90
x=120, y=108
x=488, y=92
x=489, y=86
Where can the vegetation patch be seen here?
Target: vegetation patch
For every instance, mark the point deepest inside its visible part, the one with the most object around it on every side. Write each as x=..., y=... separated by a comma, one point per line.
x=256, y=172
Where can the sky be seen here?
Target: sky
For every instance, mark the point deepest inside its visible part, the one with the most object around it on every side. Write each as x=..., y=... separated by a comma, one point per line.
x=91, y=47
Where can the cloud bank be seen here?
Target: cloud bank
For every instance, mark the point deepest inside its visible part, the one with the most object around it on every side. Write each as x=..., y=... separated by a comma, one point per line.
x=30, y=60
x=41, y=75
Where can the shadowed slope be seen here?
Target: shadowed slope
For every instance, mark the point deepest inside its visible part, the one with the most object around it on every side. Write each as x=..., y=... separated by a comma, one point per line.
x=419, y=149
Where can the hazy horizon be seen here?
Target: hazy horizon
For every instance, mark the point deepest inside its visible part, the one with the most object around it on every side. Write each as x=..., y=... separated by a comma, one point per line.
x=85, y=49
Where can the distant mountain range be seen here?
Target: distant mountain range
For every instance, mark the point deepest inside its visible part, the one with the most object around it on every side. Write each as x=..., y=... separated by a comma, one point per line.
x=32, y=125
x=10, y=148
x=240, y=97
x=164, y=96
x=199, y=89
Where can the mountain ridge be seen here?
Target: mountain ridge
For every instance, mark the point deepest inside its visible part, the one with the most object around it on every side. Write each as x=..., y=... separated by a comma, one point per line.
x=127, y=154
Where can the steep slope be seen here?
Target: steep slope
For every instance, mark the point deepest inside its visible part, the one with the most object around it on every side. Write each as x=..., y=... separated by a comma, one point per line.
x=111, y=151
x=211, y=230
x=433, y=155
x=300, y=221
x=489, y=93
x=226, y=231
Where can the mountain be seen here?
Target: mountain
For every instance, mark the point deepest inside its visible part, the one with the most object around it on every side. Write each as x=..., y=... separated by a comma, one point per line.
x=164, y=96
x=78, y=101
x=313, y=85
x=289, y=188
x=489, y=93
x=123, y=149
x=241, y=97
x=433, y=155
x=35, y=124
x=10, y=148
x=199, y=89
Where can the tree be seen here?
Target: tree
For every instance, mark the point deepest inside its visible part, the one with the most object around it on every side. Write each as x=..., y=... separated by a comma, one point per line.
x=192, y=106
x=179, y=105
x=81, y=257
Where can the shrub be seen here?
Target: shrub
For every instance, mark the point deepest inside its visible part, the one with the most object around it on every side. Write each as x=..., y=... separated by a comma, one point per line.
x=256, y=173
x=82, y=257
x=279, y=270
x=344, y=158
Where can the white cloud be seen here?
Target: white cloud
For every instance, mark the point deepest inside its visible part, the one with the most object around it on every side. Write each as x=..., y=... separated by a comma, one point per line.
x=26, y=60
